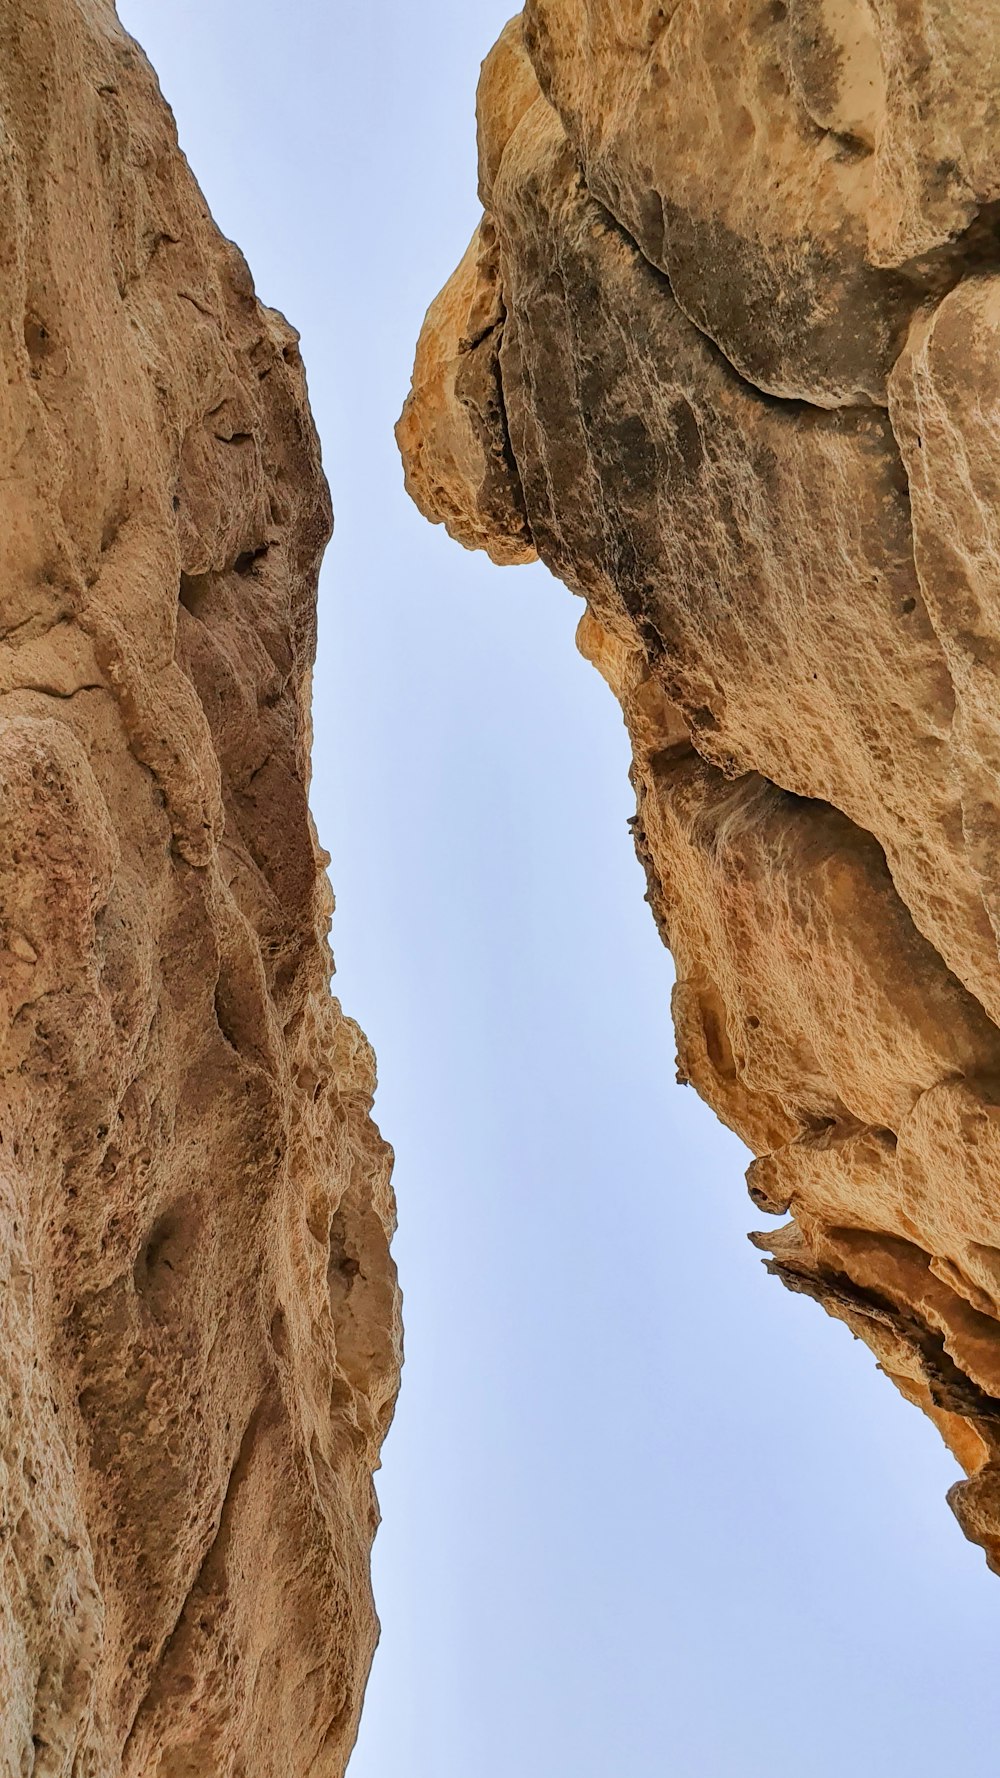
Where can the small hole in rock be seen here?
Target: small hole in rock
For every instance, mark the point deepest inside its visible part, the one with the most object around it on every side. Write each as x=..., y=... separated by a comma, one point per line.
x=194, y=591
x=37, y=339
x=161, y=1260
x=343, y=1266
x=279, y=1333
x=247, y=560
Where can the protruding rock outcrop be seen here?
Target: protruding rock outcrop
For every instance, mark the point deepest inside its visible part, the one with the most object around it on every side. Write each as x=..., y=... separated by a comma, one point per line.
x=725, y=353
x=198, y=1314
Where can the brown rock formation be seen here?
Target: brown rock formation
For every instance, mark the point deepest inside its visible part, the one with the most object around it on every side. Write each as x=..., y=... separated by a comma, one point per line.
x=724, y=353
x=198, y=1315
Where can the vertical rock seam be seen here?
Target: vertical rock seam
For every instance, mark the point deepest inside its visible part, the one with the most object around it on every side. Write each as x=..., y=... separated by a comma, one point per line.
x=199, y=1328
x=725, y=354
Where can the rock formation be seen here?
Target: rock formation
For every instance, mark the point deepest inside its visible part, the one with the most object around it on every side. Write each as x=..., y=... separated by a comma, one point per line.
x=725, y=353
x=199, y=1336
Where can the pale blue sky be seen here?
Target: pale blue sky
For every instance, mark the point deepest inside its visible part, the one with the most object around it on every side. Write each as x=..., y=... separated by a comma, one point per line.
x=645, y=1514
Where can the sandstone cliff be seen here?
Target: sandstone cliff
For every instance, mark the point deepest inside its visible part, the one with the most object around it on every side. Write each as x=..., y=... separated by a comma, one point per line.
x=198, y=1317
x=725, y=353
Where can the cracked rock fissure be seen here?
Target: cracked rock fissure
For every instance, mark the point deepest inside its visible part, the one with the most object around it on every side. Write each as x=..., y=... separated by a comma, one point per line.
x=725, y=354
x=199, y=1323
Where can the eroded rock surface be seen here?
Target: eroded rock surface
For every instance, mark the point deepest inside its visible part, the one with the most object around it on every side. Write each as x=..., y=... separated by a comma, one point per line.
x=724, y=354
x=198, y=1316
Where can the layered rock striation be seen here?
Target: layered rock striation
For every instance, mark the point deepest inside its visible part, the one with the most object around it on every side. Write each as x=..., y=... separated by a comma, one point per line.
x=199, y=1336
x=725, y=354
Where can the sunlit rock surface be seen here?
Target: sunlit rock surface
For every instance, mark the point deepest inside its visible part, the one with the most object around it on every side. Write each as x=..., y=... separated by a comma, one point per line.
x=725, y=354
x=198, y=1314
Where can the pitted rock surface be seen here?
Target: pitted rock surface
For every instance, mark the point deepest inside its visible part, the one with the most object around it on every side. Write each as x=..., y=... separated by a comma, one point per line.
x=724, y=353
x=199, y=1337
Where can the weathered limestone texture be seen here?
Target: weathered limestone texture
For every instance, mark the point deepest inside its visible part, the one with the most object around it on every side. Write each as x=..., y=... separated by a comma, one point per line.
x=199, y=1335
x=725, y=353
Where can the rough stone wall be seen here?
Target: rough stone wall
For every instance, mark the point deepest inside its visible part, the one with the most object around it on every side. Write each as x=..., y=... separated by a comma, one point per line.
x=199, y=1336
x=725, y=353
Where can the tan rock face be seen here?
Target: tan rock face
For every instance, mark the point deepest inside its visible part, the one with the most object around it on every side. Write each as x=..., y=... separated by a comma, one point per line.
x=745, y=331
x=199, y=1338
